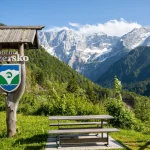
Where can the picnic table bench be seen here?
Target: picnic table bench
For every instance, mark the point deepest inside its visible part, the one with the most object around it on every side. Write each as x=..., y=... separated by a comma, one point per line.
x=71, y=135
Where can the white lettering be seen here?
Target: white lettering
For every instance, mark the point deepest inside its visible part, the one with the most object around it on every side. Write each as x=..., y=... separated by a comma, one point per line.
x=26, y=58
x=12, y=56
x=4, y=58
x=19, y=58
x=9, y=58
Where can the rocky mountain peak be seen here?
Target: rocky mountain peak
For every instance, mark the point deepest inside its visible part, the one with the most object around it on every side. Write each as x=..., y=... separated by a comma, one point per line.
x=135, y=38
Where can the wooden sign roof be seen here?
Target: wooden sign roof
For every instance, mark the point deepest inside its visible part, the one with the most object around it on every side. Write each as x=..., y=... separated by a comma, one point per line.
x=11, y=36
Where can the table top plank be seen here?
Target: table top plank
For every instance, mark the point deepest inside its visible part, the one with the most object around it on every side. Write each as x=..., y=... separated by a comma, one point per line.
x=88, y=117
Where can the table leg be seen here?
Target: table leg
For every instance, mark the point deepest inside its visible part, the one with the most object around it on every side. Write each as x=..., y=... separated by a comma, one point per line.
x=58, y=142
x=108, y=140
x=98, y=126
x=101, y=123
x=102, y=127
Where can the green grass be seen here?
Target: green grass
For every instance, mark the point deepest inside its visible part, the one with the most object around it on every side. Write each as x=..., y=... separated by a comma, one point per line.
x=32, y=135
x=133, y=140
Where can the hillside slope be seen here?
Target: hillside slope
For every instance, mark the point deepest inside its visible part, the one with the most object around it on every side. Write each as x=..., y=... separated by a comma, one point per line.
x=52, y=87
x=132, y=70
x=46, y=68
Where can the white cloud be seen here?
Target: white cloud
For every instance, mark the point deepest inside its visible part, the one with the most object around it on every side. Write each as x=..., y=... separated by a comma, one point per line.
x=74, y=24
x=112, y=27
x=57, y=29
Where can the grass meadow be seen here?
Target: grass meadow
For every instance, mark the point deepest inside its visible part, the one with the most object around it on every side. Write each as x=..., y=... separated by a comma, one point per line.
x=32, y=135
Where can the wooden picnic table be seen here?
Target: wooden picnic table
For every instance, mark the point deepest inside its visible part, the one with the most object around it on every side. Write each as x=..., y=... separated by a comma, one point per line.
x=87, y=117
x=84, y=130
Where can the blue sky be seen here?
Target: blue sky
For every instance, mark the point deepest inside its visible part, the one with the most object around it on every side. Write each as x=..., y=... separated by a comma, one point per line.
x=60, y=12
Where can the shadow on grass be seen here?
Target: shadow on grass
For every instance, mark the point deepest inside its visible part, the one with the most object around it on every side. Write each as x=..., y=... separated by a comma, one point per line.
x=145, y=145
x=39, y=140
x=3, y=134
x=33, y=147
x=127, y=148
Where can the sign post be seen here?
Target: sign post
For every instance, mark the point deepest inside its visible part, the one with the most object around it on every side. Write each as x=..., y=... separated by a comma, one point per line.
x=13, y=74
x=12, y=99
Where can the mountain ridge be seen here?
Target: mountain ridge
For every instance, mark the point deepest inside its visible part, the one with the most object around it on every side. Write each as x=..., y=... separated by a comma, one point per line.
x=92, y=52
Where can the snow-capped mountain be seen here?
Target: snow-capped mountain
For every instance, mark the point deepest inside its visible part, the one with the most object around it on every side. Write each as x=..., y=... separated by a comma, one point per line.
x=70, y=46
x=137, y=37
x=88, y=53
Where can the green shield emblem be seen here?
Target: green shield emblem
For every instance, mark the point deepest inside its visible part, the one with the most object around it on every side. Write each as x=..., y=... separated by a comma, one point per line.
x=10, y=77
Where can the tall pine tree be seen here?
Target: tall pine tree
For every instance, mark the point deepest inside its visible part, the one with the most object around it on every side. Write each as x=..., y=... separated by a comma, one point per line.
x=72, y=84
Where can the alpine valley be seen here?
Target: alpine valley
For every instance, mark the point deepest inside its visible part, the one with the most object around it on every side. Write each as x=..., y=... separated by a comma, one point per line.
x=55, y=89
x=91, y=54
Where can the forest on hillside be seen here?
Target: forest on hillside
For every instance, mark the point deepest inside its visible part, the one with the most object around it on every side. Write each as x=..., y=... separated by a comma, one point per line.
x=132, y=70
x=53, y=88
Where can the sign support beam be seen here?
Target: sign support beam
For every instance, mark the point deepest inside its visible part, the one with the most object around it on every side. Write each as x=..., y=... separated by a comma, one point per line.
x=12, y=99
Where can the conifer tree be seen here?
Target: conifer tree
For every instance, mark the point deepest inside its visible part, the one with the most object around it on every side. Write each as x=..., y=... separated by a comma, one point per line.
x=90, y=92
x=72, y=84
x=117, y=88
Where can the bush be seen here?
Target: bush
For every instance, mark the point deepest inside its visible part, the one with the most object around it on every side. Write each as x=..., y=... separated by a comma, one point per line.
x=2, y=102
x=67, y=104
x=123, y=116
x=142, y=109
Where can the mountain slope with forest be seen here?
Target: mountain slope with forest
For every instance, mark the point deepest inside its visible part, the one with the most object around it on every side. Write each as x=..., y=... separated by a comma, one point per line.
x=133, y=71
x=52, y=87
x=46, y=68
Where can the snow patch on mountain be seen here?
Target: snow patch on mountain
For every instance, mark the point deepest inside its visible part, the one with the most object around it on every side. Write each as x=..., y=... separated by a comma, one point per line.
x=66, y=44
